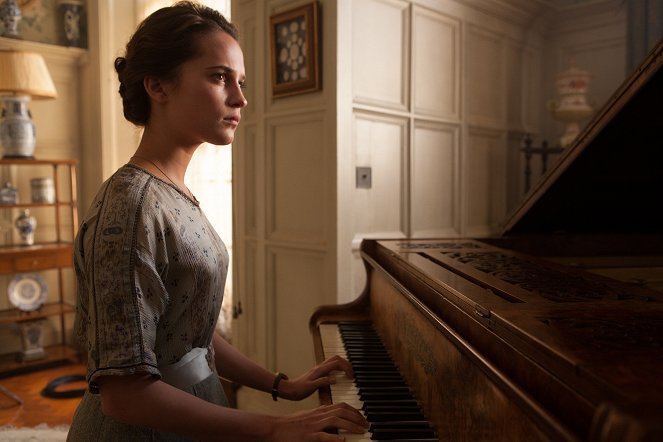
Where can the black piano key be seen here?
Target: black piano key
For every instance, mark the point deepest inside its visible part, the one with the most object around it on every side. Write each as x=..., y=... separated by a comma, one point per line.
x=405, y=434
x=385, y=389
x=400, y=425
x=391, y=416
x=359, y=377
x=368, y=354
x=367, y=383
x=430, y=439
x=419, y=427
x=384, y=405
x=405, y=406
x=377, y=374
x=363, y=367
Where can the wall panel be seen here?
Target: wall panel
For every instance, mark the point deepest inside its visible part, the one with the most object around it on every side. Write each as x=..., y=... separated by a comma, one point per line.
x=380, y=143
x=484, y=75
x=296, y=179
x=291, y=300
x=380, y=52
x=484, y=181
x=434, y=188
x=436, y=64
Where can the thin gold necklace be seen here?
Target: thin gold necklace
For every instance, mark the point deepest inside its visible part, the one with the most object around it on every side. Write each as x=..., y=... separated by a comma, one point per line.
x=190, y=194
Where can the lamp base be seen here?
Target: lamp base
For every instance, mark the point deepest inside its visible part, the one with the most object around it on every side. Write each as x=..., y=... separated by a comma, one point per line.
x=17, y=131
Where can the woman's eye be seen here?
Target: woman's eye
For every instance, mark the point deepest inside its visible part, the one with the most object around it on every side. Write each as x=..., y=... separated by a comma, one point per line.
x=220, y=76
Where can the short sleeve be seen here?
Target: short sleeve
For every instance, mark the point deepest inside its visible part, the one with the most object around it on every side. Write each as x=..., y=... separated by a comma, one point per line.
x=125, y=296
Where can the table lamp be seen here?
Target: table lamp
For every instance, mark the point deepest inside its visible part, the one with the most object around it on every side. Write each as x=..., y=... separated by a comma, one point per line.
x=23, y=75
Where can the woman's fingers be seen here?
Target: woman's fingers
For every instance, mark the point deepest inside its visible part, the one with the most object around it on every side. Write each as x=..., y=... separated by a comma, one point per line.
x=344, y=417
x=320, y=375
x=335, y=363
x=313, y=425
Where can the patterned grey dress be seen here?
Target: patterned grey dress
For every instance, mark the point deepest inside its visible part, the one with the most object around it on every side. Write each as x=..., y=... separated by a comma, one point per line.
x=151, y=272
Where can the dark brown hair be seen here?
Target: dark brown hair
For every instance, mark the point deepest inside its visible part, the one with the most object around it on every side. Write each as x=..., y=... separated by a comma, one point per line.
x=162, y=42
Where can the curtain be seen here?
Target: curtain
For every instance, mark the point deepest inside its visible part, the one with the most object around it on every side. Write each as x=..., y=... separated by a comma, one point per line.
x=645, y=29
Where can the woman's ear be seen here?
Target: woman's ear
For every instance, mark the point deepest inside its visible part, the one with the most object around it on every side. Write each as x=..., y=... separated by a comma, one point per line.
x=154, y=88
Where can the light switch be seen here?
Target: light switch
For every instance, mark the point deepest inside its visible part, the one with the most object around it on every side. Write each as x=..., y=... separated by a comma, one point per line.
x=363, y=177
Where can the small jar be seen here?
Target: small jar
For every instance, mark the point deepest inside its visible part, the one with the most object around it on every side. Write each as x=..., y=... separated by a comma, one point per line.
x=26, y=225
x=8, y=194
x=43, y=190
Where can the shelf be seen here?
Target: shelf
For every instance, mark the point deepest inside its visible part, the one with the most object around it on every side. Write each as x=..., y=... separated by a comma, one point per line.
x=32, y=205
x=36, y=162
x=43, y=48
x=14, y=315
x=22, y=259
x=55, y=355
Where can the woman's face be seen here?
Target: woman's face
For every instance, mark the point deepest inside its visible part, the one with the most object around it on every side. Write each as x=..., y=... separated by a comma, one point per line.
x=205, y=100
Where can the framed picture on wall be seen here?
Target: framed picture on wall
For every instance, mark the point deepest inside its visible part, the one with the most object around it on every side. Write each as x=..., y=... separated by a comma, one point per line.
x=295, y=51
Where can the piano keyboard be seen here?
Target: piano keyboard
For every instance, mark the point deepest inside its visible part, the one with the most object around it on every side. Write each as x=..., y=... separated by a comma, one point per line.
x=378, y=389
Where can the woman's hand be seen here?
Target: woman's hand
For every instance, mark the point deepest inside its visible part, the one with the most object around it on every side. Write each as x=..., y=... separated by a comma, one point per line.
x=319, y=376
x=312, y=426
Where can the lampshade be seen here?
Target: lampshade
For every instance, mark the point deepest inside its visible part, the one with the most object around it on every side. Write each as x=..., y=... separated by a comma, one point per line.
x=25, y=73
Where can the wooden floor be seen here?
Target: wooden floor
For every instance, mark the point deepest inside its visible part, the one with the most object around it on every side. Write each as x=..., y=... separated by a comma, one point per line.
x=37, y=409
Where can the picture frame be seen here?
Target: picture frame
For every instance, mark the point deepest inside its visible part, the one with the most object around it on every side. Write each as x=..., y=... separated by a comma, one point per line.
x=294, y=37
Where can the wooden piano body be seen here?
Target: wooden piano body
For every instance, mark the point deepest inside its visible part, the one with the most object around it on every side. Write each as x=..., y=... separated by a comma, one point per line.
x=553, y=330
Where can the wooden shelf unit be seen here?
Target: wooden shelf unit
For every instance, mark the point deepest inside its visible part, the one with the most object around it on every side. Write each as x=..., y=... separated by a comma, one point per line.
x=55, y=255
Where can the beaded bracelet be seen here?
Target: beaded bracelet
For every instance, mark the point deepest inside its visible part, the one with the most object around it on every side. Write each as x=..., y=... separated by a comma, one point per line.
x=275, y=386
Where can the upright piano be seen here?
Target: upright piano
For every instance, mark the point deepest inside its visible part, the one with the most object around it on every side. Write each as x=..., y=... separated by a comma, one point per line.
x=552, y=330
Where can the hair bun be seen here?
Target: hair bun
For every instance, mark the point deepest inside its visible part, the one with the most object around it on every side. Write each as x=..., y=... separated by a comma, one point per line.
x=120, y=64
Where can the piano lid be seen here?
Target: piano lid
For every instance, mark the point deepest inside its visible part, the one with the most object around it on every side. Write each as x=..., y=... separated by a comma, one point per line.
x=610, y=180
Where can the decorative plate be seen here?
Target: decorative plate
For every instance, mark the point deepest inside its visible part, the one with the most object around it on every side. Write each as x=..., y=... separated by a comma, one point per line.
x=27, y=291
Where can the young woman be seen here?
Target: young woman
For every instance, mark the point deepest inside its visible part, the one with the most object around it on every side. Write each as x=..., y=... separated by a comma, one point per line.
x=151, y=269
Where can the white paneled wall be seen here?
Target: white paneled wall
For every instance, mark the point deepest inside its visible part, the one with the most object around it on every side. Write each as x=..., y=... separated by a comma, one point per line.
x=285, y=177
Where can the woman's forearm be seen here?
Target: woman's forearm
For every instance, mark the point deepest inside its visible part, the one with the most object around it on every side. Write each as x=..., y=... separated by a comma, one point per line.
x=147, y=402
x=235, y=366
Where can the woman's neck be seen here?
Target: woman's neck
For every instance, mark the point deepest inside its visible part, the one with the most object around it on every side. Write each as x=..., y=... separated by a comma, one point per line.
x=164, y=160
x=171, y=159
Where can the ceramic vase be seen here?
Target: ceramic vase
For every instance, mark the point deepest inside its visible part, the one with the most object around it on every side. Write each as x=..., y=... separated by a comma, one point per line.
x=572, y=106
x=8, y=194
x=17, y=131
x=10, y=14
x=26, y=225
